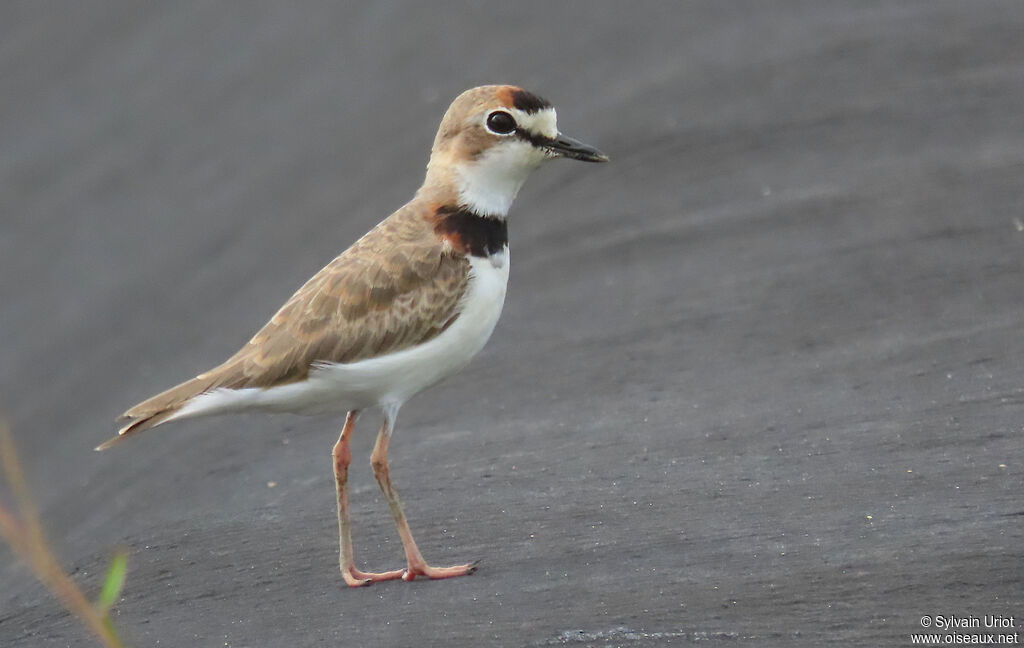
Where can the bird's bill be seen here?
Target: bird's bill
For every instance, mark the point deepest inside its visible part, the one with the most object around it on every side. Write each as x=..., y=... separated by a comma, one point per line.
x=564, y=146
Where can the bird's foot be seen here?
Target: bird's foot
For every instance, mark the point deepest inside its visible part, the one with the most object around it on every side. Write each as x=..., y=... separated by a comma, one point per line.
x=357, y=578
x=423, y=569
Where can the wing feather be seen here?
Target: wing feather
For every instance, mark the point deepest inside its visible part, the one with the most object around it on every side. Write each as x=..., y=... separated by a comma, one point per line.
x=396, y=287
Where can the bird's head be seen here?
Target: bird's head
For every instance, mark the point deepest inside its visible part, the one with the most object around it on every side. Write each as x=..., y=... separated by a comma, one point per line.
x=489, y=141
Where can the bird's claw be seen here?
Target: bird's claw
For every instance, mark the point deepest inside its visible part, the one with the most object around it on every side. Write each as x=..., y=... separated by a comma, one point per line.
x=412, y=572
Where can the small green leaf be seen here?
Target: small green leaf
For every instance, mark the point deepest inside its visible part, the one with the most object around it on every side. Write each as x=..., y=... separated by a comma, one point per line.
x=114, y=582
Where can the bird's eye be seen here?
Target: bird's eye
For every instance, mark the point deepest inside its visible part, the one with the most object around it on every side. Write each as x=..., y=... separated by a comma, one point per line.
x=500, y=122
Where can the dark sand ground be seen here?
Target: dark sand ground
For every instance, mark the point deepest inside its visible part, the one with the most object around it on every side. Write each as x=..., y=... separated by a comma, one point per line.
x=758, y=381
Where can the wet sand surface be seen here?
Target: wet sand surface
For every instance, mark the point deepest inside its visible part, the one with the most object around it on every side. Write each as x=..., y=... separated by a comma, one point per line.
x=758, y=381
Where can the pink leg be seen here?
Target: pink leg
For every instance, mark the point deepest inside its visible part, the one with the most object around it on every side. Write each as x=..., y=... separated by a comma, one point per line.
x=417, y=566
x=342, y=457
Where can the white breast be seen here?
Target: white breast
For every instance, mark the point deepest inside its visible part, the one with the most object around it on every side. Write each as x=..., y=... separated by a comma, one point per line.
x=386, y=381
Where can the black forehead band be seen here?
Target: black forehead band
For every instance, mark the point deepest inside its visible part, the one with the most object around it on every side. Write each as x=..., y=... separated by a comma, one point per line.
x=528, y=102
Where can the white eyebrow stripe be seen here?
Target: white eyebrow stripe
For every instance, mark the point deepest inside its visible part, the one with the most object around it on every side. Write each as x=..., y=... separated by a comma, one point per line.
x=543, y=122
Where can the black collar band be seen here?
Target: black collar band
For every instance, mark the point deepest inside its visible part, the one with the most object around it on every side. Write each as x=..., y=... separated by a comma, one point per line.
x=477, y=235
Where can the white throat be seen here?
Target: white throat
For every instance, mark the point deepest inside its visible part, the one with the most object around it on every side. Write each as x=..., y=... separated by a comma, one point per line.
x=489, y=184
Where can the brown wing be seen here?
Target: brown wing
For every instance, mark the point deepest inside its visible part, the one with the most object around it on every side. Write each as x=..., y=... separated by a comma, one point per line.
x=394, y=288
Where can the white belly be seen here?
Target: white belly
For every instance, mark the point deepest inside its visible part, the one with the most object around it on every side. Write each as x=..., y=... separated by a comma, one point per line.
x=386, y=381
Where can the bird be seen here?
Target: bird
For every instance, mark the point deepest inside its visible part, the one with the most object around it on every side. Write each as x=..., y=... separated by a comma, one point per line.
x=403, y=307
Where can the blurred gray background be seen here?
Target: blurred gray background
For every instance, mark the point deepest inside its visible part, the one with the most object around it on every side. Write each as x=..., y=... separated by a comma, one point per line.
x=758, y=380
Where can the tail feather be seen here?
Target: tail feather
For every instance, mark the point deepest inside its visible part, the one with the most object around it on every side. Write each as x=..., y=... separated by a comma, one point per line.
x=137, y=425
x=156, y=410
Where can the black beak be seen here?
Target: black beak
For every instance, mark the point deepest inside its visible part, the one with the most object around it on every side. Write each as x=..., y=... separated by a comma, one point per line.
x=563, y=146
